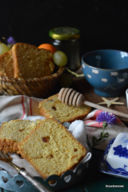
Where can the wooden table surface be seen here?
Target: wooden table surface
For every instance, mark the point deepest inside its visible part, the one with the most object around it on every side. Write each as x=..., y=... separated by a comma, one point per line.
x=82, y=86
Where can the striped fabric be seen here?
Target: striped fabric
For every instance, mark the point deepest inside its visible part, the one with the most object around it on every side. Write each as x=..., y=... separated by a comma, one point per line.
x=17, y=107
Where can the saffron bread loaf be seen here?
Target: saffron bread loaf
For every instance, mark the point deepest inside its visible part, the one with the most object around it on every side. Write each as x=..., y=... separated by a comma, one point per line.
x=13, y=132
x=29, y=61
x=27, y=70
x=51, y=149
x=52, y=107
x=26, y=61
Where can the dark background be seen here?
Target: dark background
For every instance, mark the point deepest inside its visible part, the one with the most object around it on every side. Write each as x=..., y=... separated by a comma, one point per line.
x=102, y=23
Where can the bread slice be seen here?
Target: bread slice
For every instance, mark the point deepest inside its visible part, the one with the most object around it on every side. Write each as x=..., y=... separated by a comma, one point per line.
x=26, y=61
x=6, y=64
x=51, y=149
x=54, y=108
x=30, y=62
x=13, y=132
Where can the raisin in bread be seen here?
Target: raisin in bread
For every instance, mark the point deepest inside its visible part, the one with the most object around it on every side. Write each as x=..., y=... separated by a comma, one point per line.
x=51, y=149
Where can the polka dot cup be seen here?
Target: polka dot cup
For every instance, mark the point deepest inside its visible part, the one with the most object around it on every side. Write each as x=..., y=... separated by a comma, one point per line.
x=106, y=71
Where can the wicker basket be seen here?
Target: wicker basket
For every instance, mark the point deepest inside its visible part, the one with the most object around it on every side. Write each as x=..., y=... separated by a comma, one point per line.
x=37, y=87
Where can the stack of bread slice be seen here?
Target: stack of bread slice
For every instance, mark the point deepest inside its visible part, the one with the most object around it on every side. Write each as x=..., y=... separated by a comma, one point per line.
x=46, y=144
x=26, y=61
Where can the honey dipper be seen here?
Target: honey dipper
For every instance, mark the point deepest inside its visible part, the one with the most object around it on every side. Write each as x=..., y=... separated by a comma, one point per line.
x=74, y=98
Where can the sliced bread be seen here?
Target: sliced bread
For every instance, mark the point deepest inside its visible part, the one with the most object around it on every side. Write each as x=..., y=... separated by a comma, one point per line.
x=26, y=61
x=51, y=148
x=52, y=107
x=30, y=62
x=13, y=132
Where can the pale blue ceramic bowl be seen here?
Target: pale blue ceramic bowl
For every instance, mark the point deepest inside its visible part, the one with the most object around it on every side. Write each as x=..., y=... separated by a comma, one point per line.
x=106, y=71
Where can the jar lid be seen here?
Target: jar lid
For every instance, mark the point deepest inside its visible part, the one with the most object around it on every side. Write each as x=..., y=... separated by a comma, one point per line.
x=64, y=33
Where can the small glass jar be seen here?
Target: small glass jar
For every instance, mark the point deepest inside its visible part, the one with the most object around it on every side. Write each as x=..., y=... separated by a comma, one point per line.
x=66, y=39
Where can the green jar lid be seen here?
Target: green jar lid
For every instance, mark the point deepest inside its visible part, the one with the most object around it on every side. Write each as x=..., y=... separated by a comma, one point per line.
x=64, y=33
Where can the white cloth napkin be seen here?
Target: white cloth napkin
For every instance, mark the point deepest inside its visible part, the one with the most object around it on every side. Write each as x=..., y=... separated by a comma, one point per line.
x=17, y=107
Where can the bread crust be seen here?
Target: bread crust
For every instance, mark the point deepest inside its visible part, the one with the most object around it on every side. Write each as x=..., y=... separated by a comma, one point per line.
x=7, y=145
x=6, y=64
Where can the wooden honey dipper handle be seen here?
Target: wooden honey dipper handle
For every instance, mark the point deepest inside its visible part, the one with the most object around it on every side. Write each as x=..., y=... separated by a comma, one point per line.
x=120, y=114
x=74, y=98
